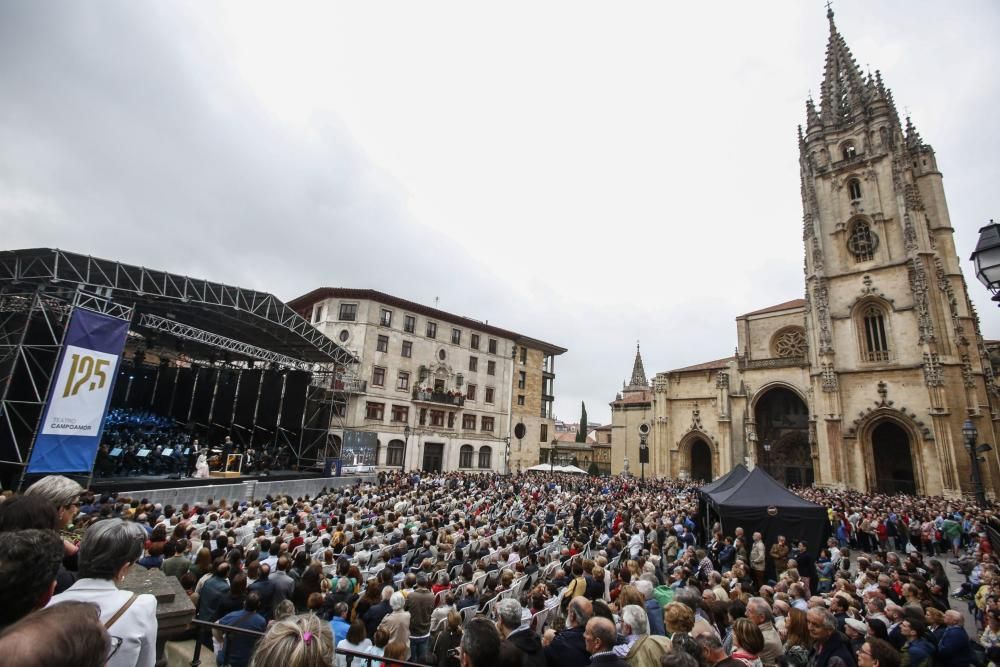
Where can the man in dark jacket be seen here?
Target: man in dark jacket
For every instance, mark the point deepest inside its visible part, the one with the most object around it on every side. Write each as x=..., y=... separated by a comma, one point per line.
x=830, y=648
x=567, y=649
x=517, y=636
x=264, y=587
x=953, y=649
x=600, y=637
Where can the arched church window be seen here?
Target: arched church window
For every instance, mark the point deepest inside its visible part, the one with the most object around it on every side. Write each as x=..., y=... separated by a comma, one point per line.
x=875, y=341
x=854, y=189
x=862, y=242
x=849, y=151
x=789, y=343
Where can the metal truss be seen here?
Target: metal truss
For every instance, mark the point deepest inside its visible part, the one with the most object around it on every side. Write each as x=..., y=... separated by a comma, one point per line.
x=188, y=332
x=55, y=266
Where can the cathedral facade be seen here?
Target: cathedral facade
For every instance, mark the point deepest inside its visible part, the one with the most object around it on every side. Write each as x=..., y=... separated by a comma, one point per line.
x=864, y=383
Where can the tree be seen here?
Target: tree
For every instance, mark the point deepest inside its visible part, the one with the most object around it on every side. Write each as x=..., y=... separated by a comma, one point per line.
x=581, y=431
x=593, y=469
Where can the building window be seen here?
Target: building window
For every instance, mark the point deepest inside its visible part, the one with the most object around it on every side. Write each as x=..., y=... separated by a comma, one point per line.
x=317, y=313
x=385, y=317
x=432, y=329
x=849, y=151
x=491, y=368
x=382, y=344
x=438, y=386
x=789, y=343
x=423, y=416
x=473, y=364
x=348, y=312
x=451, y=420
x=492, y=346
x=378, y=376
x=862, y=242
x=854, y=189
x=485, y=457
x=474, y=341
x=409, y=324
x=486, y=424
x=469, y=422
x=456, y=336
x=543, y=433
x=442, y=355
x=374, y=411
x=344, y=335
x=524, y=355
x=437, y=417
x=520, y=399
x=400, y=413
x=876, y=342
x=489, y=395
x=470, y=392
x=522, y=379
x=394, y=453
x=403, y=381
x=465, y=456
x=407, y=350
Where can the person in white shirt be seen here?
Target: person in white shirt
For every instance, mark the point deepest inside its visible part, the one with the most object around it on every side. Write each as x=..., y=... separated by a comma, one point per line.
x=108, y=551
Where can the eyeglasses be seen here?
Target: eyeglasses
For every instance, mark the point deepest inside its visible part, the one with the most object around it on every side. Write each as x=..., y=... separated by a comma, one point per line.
x=861, y=651
x=114, y=643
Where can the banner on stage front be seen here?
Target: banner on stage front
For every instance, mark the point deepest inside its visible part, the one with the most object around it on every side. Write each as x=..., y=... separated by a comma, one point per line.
x=70, y=431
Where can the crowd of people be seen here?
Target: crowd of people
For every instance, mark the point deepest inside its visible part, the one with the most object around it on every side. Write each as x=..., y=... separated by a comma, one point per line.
x=473, y=570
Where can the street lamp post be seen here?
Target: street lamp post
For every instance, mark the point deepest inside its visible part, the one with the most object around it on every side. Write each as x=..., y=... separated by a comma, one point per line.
x=643, y=450
x=970, y=433
x=767, y=457
x=986, y=258
x=552, y=455
x=406, y=444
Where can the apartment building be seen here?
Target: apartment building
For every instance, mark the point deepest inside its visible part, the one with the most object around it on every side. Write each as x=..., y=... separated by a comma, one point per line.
x=441, y=392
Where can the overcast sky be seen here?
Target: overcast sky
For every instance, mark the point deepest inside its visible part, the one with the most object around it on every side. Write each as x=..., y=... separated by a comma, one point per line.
x=585, y=173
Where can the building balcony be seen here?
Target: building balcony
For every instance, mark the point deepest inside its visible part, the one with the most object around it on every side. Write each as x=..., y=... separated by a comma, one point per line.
x=440, y=397
x=349, y=385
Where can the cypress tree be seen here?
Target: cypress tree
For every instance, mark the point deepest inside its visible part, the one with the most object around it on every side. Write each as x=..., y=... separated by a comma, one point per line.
x=581, y=431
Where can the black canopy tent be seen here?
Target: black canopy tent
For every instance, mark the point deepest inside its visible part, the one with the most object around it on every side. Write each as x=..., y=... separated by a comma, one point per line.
x=754, y=501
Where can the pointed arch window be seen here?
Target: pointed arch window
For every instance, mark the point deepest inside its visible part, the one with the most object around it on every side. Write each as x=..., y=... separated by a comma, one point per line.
x=874, y=336
x=854, y=189
x=848, y=150
x=862, y=242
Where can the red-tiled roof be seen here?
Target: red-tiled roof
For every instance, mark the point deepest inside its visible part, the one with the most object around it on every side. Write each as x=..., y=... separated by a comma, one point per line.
x=707, y=366
x=633, y=398
x=787, y=305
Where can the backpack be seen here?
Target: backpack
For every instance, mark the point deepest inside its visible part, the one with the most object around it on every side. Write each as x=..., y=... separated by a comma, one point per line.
x=664, y=595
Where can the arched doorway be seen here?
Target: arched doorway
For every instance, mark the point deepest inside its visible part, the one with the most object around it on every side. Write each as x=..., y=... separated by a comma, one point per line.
x=783, y=450
x=701, y=461
x=893, y=459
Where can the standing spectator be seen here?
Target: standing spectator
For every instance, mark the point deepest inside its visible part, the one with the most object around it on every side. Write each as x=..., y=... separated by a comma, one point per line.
x=373, y=617
x=779, y=554
x=758, y=560
x=175, y=564
x=830, y=649
x=568, y=649
x=338, y=624
x=356, y=640
x=953, y=650
x=759, y=611
x=237, y=647
x=29, y=565
x=107, y=552
x=397, y=623
x=284, y=584
x=420, y=604
x=599, y=637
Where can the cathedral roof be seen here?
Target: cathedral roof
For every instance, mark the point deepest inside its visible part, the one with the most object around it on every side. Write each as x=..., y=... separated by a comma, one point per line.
x=787, y=305
x=707, y=366
x=634, y=398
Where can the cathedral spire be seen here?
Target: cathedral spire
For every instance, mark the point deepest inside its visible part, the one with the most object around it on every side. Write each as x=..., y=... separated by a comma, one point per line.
x=638, y=379
x=843, y=92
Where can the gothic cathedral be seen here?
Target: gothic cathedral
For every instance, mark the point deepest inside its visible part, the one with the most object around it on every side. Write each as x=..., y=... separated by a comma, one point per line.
x=866, y=382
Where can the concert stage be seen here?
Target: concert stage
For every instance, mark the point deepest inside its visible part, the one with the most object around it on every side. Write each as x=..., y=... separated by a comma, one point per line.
x=162, y=489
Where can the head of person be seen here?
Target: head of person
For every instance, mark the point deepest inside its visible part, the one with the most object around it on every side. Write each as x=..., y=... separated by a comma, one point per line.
x=296, y=641
x=62, y=492
x=69, y=633
x=913, y=628
x=634, y=620
x=397, y=601
x=29, y=562
x=579, y=611
x=678, y=617
x=759, y=611
x=508, y=613
x=878, y=653
x=748, y=636
x=821, y=624
x=24, y=512
x=953, y=617
x=109, y=548
x=480, y=643
x=599, y=635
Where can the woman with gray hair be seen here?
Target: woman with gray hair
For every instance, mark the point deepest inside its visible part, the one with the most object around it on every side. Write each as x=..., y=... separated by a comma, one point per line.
x=107, y=552
x=64, y=494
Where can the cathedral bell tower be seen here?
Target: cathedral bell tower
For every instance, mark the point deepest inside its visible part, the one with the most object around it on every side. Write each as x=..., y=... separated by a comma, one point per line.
x=892, y=334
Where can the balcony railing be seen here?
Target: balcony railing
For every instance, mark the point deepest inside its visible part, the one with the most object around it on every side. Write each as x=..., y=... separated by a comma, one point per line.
x=775, y=362
x=441, y=397
x=349, y=385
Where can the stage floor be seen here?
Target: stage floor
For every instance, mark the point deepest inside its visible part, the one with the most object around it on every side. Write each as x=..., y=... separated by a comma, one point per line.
x=142, y=482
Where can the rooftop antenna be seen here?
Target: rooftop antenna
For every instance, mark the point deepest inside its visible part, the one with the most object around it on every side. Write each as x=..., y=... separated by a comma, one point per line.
x=436, y=302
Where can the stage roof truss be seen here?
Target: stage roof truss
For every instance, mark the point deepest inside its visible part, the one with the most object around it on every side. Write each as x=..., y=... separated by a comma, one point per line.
x=157, y=290
x=188, y=332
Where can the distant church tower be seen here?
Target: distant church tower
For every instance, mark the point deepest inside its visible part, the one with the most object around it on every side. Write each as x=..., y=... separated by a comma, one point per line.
x=896, y=359
x=638, y=380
